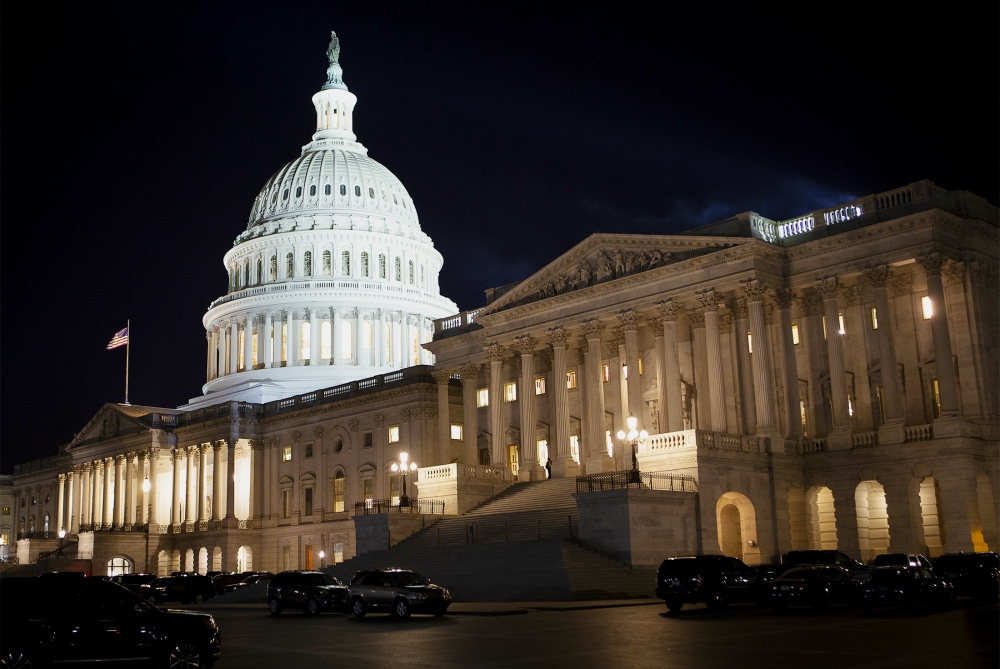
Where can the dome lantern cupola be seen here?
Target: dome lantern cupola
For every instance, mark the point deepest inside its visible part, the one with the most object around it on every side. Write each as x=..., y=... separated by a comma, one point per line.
x=334, y=103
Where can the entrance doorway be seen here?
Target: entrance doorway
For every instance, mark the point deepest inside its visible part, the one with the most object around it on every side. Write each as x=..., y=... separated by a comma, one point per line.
x=512, y=460
x=309, y=557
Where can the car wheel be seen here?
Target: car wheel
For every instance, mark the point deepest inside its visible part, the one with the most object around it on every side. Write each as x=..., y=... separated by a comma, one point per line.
x=15, y=660
x=674, y=605
x=312, y=607
x=274, y=606
x=184, y=656
x=440, y=612
x=402, y=608
x=716, y=600
x=198, y=599
x=358, y=608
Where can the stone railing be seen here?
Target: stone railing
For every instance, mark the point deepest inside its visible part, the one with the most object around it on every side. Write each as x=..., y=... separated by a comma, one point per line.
x=867, y=439
x=245, y=524
x=670, y=441
x=457, y=470
x=804, y=446
x=918, y=433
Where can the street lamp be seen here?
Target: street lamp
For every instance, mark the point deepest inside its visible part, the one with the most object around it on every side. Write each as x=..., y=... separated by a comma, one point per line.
x=404, y=501
x=322, y=555
x=632, y=439
x=62, y=535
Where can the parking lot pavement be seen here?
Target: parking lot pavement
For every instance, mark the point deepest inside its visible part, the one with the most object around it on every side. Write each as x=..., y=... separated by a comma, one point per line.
x=619, y=636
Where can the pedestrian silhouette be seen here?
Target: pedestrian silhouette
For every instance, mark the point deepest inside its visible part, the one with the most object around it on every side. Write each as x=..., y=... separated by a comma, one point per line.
x=548, y=468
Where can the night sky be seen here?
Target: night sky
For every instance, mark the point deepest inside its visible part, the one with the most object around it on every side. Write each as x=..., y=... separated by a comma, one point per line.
x=137, y=135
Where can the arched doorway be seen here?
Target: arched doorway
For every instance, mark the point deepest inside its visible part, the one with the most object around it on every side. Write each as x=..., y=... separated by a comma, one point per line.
x=873, y=519
x=244, y=559
x=987, y=515
x=216, y=559
x=175, y=561
x=119, y=565
x=162, y=564
x=822, y=523
x=189, y=560
x=202, y=560
x=737, y=525
x=931, y=520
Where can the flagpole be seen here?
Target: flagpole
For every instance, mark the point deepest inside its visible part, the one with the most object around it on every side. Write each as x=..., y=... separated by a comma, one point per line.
x=128, y=341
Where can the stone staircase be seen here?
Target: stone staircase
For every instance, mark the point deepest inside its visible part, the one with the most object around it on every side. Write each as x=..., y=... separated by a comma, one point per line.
x=521, y=547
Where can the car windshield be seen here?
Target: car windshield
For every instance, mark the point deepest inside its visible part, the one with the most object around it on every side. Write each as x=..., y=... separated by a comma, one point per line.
x=319, y=579
x=891, y=558
x=888, y=575
x=798, y=575
x=683, y=567
x=406, y=578
x=809, y=557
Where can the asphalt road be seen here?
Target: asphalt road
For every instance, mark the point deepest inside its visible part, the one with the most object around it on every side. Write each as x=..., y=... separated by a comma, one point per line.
x=632, y=636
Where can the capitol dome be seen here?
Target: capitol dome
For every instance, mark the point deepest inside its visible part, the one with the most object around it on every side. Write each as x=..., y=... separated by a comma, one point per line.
x=332, y=281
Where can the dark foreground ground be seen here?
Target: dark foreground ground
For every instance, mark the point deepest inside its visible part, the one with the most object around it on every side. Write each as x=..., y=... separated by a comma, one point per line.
x=527, y=635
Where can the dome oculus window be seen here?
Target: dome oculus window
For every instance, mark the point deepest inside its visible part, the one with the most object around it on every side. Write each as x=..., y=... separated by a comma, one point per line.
x=357, y=191
x=343, y=189
x=298, y=192
x=312, y=190
x=284, y=196
x=371, y=192
x=395, y=200
x=327, y=189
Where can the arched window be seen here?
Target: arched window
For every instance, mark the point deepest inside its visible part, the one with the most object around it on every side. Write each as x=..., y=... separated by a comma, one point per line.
x=366, y=335
x=298, y=192
x=411, y=273
x=399, y=269
x=364, y=263
x=357, y=191
x=343, y=189
x=327, y=189
x=307, y=262
x=312, y=190
x=289, y=266
x=304, y=348
x=117, y=566
x=371, y=192
x=45, y=523
x=346, y=345
x=274, y=268
x=327, y=264
x=345, y=263
x=284, y=196
x=326, y=340
x=260, y=270
x=338, y=492
x=381, y=266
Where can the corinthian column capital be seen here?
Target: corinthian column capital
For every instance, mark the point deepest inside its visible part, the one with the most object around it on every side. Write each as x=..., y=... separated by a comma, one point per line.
x=827, y=287
x=878, y=276
x=495, y=352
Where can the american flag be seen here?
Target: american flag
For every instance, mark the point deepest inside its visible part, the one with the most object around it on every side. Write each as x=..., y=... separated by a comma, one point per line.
x=120, y=339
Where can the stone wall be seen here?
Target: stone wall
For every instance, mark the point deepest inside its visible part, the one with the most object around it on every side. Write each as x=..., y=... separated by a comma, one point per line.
x=385, y=530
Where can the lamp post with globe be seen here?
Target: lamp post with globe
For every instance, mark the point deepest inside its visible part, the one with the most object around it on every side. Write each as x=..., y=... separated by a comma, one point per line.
x=632, y=439
x=402, y=468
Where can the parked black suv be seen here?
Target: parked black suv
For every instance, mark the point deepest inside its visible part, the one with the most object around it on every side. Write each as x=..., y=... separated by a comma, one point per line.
x=398, y=591
x=910, y=587
x=54, y=621
x=133, y=582
x=815, y=585
x=311, y=591
x=716, y=580
x=973, y=574
x=183, y=589
x=858, y=570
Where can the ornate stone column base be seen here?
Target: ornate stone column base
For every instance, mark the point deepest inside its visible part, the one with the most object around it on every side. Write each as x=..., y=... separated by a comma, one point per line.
x=527, y=473
x=891, y=432
x=596, y=464
x=839, y=440
x=565, y=468
x=951, y=426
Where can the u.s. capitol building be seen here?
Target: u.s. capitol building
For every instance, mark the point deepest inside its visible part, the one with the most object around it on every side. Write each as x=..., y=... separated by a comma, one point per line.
x=828, y=381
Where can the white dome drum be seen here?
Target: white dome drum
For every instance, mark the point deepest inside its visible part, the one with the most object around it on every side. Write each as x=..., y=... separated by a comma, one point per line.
x=333, y=279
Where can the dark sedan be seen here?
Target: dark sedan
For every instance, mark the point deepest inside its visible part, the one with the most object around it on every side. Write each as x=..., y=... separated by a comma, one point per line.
x=311, y=591
x=909, y=587
x=818, y=586
x=87, y=620
x=397, y=591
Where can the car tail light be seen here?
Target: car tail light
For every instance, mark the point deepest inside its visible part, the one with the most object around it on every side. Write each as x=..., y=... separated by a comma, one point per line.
x=802, y=584
x=697, y=581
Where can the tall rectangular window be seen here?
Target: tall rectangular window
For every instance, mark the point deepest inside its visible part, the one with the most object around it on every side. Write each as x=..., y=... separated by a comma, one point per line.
x=286, y=503
x=795, y=335
x=345, y=263
x=284, y=342
x=338, y=493
x=927, y=307
x=843, y=327
x=571, y=379
x=309, y=450
x=483, y=397
x=306, y=341
x=539, y=385
x=338, y=553
x=309, y=501
x=393, y=434
x=286, y=454
x=640, y=366
x=239, y=355
x=368, y=489
x=367, y=335
x=749, y=342
x=606, y=372
x=368, y=440
x=936, y=392
x=874, y=315
x=574, y=447
x=253, y=350
x=456, y=432
x=510, y=391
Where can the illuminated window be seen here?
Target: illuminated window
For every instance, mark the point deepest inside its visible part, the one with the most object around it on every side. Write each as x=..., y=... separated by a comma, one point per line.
x=928, y=308
x=367, y=335
x=510, y=392
x=574, y=447
x=393, y=434
x=843, y=327
x=338, y=492
x=118, y=566
x=539, y=385
x=483, y=397
x=610, y=443
x=307, y=261
x=239, y=358
x=345, y=263
x=368, y=490
x=414, y=342
x=456, y=432
x=571, y=379
x=327, y=263
x=338, y=552
x=625, y=371
x=824, y=327
x=304, y=336
x=749, y=342
x=936, y=392
x=640, y=366
x=253, y=349
x=326, y=340
x=606, y=373
x=346, y=348
x=388, y=342
x=284, y=342
x=512, y=458
x=874, y=315
x=795, y=335
x=286, y=454
x=542, y=449
x=802, y=415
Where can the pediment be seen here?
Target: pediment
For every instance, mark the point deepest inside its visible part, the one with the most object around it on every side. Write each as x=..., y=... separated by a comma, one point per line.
x=603, y=258
x=109, y=422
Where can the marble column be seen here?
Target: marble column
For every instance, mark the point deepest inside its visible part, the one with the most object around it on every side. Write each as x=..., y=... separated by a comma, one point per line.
x=152, y=459
x=268, y=340
x=217, y=481
x=563, y=464
x=470, y=413
x=119, y=494
x=717, y=402
x=783, y=297
x=192, y=489
x=597, y=446
x=335, y=337
x=230, y=483
x=747, y=399
x=294, y=344
x=761, y=359
x=381, y=341
x=671, y=415
x=630, y=324
x=93, y=495
x=947, y=386
x=495, y=353
x=129, y=503
x=109, y=492
x=315, y=339
x=902, y=499
x=356, y=337
x=659, y=420
x=529, y=468
x=248, y=343
x=443, y=378
x=234, y=345
x=839, y=438
x=202, y=459
x=895, y=413
x=75, y=500
x=209, y=356
x=845, y=513
x=60, y=510
x=175, y=499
